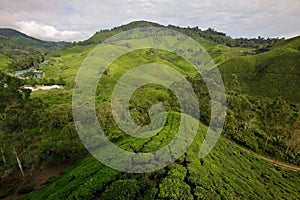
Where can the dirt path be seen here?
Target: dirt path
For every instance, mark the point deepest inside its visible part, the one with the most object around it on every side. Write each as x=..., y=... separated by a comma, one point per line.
x=274, y=162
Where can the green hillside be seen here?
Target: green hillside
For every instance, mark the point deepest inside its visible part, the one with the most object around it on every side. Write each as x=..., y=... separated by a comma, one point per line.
x=13, y=38
x=293, y=43
x=21, y=49
x=271, y=74
x=4, y=60
x=241, y=72
x=37, y=128
x=226, y=173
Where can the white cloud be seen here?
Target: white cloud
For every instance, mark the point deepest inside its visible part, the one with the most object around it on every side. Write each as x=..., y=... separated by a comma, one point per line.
x=47, y=32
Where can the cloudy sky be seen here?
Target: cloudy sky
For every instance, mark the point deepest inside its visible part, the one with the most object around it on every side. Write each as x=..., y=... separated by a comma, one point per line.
x=73, y=20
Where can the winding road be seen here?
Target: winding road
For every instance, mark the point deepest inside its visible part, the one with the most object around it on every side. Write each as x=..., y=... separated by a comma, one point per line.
x=274, y=162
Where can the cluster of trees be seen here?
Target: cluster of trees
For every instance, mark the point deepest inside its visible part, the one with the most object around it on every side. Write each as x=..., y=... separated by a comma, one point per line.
x=47, y=81
x=15, y=51
x=260, y=43
x=33, y=132
x=15, y=115
x=26, y=62
x=269, y=126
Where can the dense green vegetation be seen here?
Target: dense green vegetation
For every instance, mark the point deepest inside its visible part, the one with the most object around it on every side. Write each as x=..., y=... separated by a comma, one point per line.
x=261, y=78
x=4, y=60
x=36, y=130
x=226, y=173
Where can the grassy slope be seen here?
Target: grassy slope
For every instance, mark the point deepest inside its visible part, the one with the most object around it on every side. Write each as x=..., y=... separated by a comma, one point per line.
x=66, y=63
x=226, y=173
x=270, y=74
x=293, y=43
x=4, y=60
x=218, y=51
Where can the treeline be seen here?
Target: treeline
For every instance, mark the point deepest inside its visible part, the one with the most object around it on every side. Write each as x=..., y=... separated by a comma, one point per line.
x=210, y=34
x=32, y=81
x=267, y=126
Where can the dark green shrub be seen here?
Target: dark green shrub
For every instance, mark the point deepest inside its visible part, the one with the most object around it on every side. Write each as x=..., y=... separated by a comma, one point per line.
x=121, y=189
x=51, y=179
x=6, y=193
x=25, y=189
x=174, y=189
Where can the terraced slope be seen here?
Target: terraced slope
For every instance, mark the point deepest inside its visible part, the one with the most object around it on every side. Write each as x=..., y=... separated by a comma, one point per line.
x=226, y=173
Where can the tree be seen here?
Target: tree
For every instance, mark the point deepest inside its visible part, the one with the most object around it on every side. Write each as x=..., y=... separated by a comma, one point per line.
x=293, y=138
x=51, y=81
x=18, y=161
x=242, y=109
x=17, y=114
x=3, y=156
x=12, y=95
x=276, y=118
x=60, y=81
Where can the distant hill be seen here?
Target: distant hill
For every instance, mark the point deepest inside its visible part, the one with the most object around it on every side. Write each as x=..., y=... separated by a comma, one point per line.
x=17, y=47
x=194, y=32
x=12, y=38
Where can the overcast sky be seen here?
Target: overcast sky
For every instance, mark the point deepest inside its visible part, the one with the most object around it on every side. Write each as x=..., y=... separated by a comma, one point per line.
x=73, y=20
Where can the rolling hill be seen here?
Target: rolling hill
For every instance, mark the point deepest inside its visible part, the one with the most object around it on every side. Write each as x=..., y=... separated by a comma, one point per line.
x=15, y=46
x=194, y=32
x=12, y=38
x=270, y=74
x=260, y=67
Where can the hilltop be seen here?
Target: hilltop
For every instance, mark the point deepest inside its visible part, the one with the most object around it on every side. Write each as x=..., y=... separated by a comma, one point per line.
x=194, y=32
